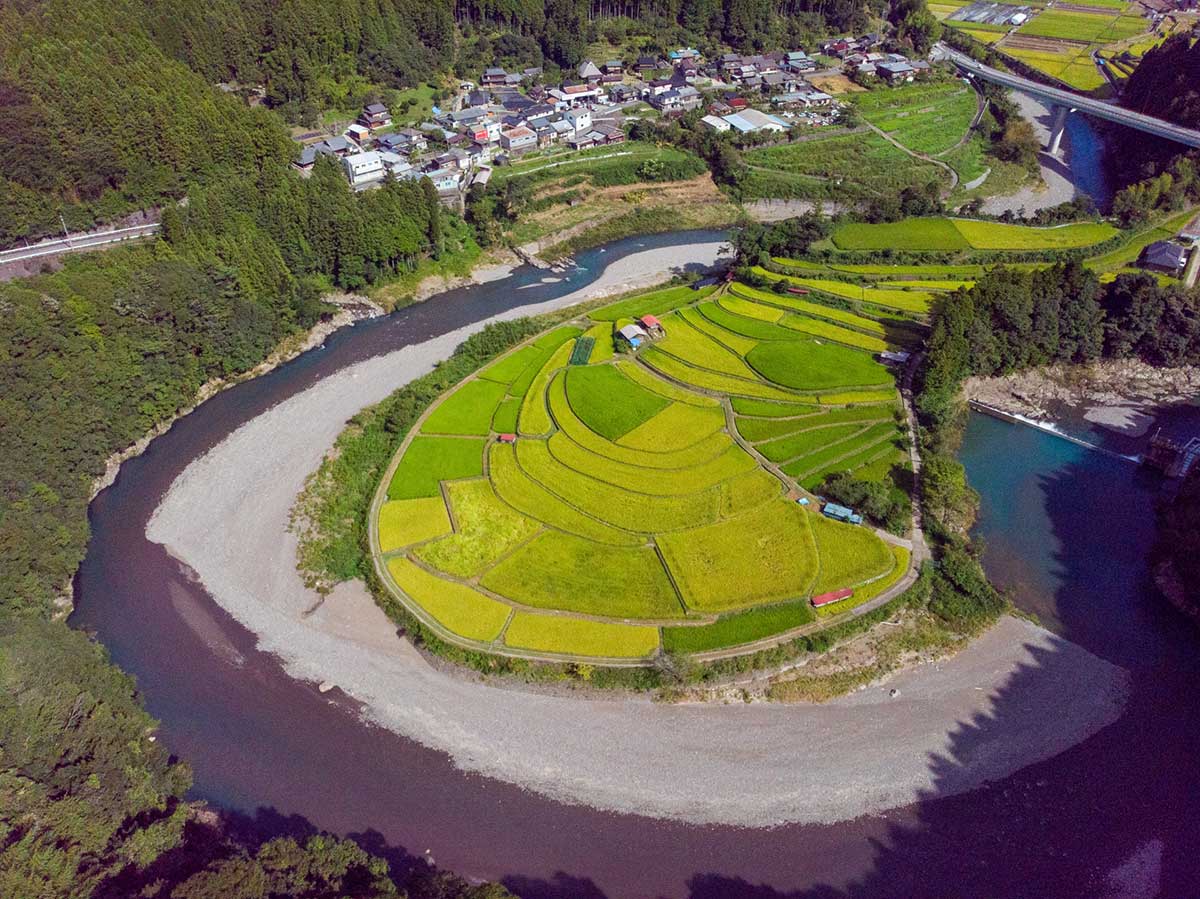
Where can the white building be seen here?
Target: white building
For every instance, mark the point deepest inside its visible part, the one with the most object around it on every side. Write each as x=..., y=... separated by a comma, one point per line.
x=715, y=123
x=580, y=119
x=364, y=169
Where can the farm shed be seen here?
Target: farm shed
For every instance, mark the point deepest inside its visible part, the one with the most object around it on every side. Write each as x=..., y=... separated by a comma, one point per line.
x=652, y=325
x=633, y=335
x=841, y=513
x=824, y=599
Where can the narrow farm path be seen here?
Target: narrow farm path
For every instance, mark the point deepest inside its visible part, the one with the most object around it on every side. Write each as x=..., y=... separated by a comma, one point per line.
x=915, y=155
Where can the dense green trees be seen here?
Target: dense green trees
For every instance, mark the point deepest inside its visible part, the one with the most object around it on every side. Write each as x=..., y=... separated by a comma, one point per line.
x=85, y=792
x=1013, y=320
x=1166, y=82
x=1009, y=321
x=98, y=120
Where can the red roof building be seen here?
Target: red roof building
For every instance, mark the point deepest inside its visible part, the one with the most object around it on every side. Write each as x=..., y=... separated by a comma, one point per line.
x=508, y=438
x=650, y=321
x=824, y=599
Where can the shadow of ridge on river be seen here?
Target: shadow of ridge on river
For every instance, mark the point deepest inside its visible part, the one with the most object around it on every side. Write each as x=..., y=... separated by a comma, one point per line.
x=1116, y=816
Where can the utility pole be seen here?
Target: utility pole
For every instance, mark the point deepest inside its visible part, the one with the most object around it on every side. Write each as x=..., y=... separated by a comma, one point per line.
x=66, y=235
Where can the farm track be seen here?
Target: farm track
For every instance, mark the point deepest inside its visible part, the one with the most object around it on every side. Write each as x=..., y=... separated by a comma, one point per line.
x=915, y=155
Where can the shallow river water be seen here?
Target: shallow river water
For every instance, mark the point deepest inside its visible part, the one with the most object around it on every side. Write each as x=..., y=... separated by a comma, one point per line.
x=1067, y=529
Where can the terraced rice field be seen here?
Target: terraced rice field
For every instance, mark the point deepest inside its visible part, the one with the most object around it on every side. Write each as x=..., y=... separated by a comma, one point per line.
x=644, y=505
x=966, y=234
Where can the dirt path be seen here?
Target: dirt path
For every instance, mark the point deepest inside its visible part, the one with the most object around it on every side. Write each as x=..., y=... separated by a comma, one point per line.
x=226, y=517
x=915, y=155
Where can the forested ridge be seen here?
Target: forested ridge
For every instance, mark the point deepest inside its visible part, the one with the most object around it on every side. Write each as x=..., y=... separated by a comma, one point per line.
x=109, y=105
x=1166, y=83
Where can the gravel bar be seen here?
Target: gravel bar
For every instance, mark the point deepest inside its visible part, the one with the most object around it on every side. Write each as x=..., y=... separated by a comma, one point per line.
x=226, y=517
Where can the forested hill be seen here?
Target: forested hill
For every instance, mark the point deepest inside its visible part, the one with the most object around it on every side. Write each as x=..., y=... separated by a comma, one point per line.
x=98, y=119
x=110, y=105
x=1167, y=82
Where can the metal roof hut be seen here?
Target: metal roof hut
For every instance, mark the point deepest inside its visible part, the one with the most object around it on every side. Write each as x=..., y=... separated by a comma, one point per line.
x=652, y=325
x=632, y=334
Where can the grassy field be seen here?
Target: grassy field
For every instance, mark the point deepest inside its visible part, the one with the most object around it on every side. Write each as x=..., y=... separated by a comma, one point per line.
x=926, y=118
x=853, y=166
x=626, y=506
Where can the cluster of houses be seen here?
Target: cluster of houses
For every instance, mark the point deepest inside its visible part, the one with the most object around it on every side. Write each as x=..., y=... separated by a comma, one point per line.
x=508, y=114
x=644, y=330
x=861, y=56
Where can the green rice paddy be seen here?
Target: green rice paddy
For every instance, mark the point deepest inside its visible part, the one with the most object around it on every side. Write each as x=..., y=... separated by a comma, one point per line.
x=943, y=234
x=640, y=508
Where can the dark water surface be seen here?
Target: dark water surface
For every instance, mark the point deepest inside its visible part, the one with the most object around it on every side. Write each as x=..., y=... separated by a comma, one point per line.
x=1067, y=528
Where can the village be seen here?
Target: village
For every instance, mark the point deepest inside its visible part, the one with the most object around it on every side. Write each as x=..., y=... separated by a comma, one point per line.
x=507, y=115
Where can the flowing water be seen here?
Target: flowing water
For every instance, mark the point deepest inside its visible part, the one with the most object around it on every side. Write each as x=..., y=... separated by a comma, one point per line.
x=1067, y=529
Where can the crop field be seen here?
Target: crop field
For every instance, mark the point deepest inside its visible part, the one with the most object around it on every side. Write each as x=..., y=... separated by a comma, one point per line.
x=1086, y=27
x=812, y=365
x=917, y=301
x=403, y=522
x=655, y=303
x=588, y=391
x=928, y=119
x=431, y=460
x=962, y=234
x=853, y=166
x=836, y=333
x=469, y=411
x=737, y=628
x=628, y=518
x=817, y=310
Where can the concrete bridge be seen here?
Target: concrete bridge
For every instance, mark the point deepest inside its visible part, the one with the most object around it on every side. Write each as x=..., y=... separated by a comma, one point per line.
x=1063, y=102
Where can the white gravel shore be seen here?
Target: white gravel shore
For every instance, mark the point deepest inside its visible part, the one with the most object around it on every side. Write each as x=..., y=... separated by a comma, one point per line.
x=1056, y=174
x=226, y=517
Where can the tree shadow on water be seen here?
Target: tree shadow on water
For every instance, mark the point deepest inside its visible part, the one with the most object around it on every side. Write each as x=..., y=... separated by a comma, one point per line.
x=1117, y=815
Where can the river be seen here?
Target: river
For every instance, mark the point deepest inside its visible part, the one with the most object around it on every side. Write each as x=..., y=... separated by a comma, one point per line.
x=1067, y=528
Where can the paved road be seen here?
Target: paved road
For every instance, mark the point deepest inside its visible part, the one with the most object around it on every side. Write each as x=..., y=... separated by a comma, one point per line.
x=1052, y=95
x=77, y=242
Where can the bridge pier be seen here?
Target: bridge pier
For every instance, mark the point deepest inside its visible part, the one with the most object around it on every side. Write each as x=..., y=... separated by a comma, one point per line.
x=1057, y=129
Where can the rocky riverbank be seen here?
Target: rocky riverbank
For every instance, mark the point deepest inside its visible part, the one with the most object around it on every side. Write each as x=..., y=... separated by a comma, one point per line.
x=1119, y=395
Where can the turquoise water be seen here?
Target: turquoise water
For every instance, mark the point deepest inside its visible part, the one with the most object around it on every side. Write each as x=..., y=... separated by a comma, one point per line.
x=1069, y=531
